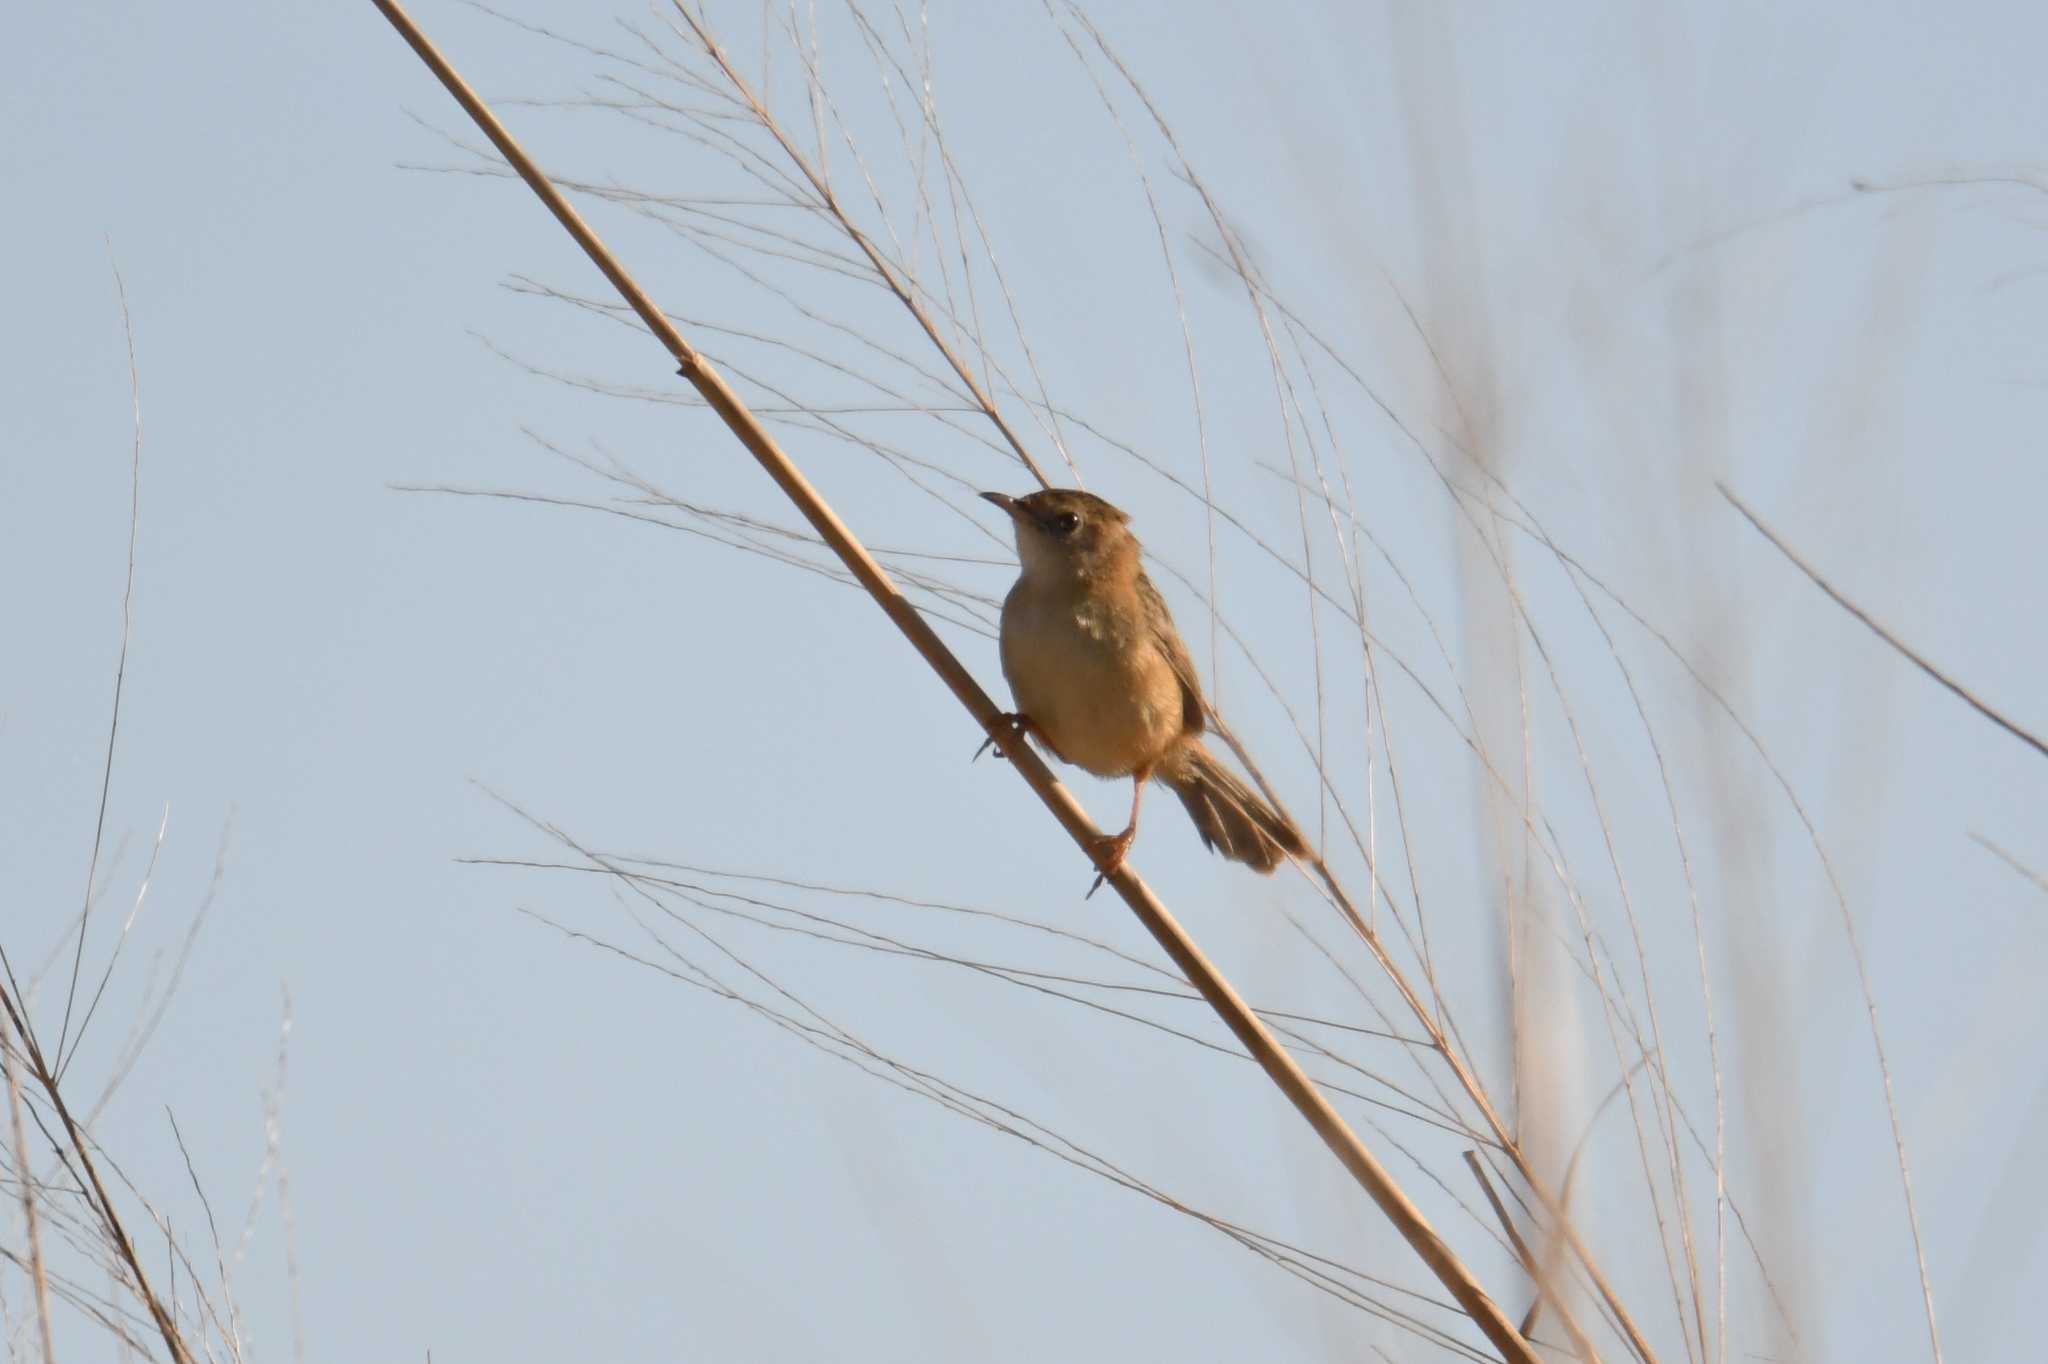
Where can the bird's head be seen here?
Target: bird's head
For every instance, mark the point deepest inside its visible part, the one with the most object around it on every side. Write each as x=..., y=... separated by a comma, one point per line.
x=1066, y=533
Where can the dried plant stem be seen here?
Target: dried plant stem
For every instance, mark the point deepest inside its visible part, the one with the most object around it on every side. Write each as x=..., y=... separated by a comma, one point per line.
x=2031, y=740
x=2002, y=855
x=120, y=672
x=1257, y=1040
x=1546, y=1291
x=43, y=1072
x=822, y=187
x=1554, y=1205
x=22, y=1177
x=1848, y=924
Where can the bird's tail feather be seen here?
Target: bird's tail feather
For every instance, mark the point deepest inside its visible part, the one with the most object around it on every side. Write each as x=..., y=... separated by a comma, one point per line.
x=1231, y=817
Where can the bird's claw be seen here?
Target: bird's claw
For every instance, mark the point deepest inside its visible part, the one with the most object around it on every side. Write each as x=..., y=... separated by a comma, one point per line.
x=1018, y=725
x=1110, y=850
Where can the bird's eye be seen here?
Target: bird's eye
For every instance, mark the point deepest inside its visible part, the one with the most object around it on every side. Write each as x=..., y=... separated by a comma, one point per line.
x=1066, y=523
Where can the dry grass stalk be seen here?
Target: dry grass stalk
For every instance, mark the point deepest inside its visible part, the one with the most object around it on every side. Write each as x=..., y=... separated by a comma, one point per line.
x=1546, y=1283
x=120, y=675
x=38, y=1274
x=87, y=1217
x=1849, y=926
x=1870, y=622
x=76, y=1153
x=1279, y=1065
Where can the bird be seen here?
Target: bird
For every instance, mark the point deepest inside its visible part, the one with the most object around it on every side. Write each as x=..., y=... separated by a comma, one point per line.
x=1102, y=680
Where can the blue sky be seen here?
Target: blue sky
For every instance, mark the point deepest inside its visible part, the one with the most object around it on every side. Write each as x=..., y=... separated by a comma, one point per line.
x=1634, y=244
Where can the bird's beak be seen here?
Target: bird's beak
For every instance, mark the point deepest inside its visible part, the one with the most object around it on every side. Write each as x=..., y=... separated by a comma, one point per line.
x=1003, y=500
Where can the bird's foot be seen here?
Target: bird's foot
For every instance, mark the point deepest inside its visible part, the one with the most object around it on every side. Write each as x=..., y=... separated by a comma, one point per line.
x=1109, y=852
x=1019, y=725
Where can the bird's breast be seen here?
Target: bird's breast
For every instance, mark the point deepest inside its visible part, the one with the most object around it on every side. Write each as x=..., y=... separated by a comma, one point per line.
x=1091, y=679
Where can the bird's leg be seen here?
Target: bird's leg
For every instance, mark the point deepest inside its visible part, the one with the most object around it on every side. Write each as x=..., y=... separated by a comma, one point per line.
x=1018, y=723
x=1111, y=848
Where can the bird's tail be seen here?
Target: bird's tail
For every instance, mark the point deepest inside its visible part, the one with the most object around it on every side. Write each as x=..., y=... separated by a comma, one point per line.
x=1231, y=817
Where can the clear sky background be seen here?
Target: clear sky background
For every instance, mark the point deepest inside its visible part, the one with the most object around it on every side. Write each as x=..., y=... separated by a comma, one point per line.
x=1633, y=238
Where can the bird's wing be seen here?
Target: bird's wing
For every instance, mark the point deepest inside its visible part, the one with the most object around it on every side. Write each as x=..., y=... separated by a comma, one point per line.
x=1160, y=622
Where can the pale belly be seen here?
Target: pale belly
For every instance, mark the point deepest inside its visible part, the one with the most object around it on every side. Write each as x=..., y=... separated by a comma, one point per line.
x=1108, y=702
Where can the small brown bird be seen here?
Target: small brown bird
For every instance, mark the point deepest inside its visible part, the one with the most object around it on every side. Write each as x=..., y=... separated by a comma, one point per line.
x=1103, y=681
